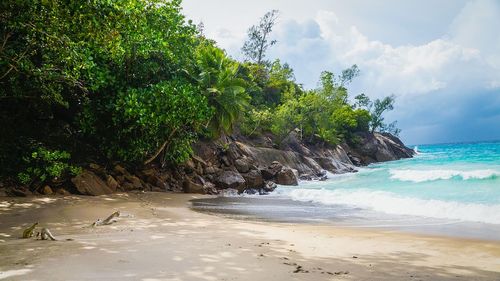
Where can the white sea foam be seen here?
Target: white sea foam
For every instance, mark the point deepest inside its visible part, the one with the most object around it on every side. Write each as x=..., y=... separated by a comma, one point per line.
x=390, y=203
x=432, y=175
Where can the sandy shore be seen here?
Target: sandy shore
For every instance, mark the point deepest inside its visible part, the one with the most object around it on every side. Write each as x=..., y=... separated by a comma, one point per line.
x=160, y=238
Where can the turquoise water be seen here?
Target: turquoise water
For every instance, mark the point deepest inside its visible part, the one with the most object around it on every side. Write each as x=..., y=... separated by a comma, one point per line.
x=453, y=182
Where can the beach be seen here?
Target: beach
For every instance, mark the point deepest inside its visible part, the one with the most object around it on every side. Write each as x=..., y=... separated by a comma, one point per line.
x=159, y=237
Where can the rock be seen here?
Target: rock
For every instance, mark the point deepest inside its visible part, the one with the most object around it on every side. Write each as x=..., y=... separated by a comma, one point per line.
x=192, y=187
x=95, y=166
x=98, y=170
x=120, y=170
x=230, y=179
x=135, y=181
x=286, y=177
x=271, y=171
x=21, y=191
x=152, y=177
x=3, y=193
x=87, y=183
x=270, y=186
x=379, y=147
x=157, y=189
x=242, y=165
x=47, y=190
x=225, y=161
x=62, y=191
x=210, y=188
x=306, y=177
x=210, y=170
x=189, y=166
x=112, y=183
x=253, y=179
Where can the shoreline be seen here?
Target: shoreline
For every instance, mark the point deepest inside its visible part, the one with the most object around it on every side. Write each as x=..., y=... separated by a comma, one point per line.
x=161, y=238
x=277, y=209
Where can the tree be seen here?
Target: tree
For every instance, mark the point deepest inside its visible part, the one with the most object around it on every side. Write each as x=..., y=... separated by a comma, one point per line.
x=258, y=42
x=362, y=101
x=224, y=90
x=379, y=107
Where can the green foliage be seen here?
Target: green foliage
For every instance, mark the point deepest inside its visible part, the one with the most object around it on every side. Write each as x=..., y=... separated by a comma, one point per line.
x=379, y=107
x=133, y=81
x=145, y=118
x=224, y=90
x=325, y=113
x=256, y=122
x=45, y=165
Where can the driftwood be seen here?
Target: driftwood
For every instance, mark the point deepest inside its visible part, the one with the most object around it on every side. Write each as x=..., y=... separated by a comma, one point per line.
x=109, y=220
x=45, y=234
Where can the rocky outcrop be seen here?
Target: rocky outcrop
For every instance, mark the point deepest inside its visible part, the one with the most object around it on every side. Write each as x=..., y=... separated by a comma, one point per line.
x=231, y=179
x=88, y=183
x=236, y=164
x=254, y=179
x=287, y=177
x=378, y=148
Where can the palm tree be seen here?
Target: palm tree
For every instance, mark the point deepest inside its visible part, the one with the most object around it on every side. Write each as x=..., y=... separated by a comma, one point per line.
x=225, y=91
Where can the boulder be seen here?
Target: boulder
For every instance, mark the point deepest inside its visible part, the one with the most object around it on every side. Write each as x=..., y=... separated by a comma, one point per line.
x=120, y=170
x=269, y=186
x=47, y=190
x=271, y=171
x=230, y=179
x=88, y=183
x=242, y=165
x=191, y=187
x=62, y=191
x=209, y=188
x=210, y=170
x=286, y=177
x=112, y=183
x=254, y=179
x=20, y=191
x=135, y=181
x=97, y=169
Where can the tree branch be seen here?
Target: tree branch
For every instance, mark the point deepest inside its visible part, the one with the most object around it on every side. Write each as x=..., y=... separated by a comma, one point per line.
x=162, y=147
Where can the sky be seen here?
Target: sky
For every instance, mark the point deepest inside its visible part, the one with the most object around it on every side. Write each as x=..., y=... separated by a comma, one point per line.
x=441, y=59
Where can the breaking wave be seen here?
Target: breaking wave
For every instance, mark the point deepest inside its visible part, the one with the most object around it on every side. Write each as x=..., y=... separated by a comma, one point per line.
x=433, y=175
x=390, y=203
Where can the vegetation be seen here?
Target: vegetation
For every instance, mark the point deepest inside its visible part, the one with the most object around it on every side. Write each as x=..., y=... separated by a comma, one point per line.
x=134, y=81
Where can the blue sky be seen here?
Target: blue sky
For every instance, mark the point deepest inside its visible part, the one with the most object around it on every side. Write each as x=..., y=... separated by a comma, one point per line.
x=441, y=59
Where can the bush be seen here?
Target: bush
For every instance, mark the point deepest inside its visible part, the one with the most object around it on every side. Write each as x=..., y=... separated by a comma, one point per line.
x=44, y=165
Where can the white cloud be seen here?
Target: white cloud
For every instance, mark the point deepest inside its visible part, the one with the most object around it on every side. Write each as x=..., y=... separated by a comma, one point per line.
x=446, y=76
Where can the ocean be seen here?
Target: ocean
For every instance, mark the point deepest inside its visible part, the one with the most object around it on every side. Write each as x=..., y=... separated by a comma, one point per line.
x=451, y=189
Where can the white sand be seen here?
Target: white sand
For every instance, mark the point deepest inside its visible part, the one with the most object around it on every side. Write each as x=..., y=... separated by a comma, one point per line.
x=162, y=239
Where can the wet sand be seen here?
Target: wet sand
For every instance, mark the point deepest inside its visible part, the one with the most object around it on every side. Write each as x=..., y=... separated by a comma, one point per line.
x=161, y=238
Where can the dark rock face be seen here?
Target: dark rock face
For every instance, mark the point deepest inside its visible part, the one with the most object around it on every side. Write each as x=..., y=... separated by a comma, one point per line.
x=242, y=165
x=379, y=148
x=286, y=177
x=272, y=170
x=230, y=179
x=20, y=191
x=253, y=179
x=88, y=183
x=112, y=183
x=192, y=187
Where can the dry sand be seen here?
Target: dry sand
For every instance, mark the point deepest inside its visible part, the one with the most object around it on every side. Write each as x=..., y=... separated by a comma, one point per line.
x=160, y=238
